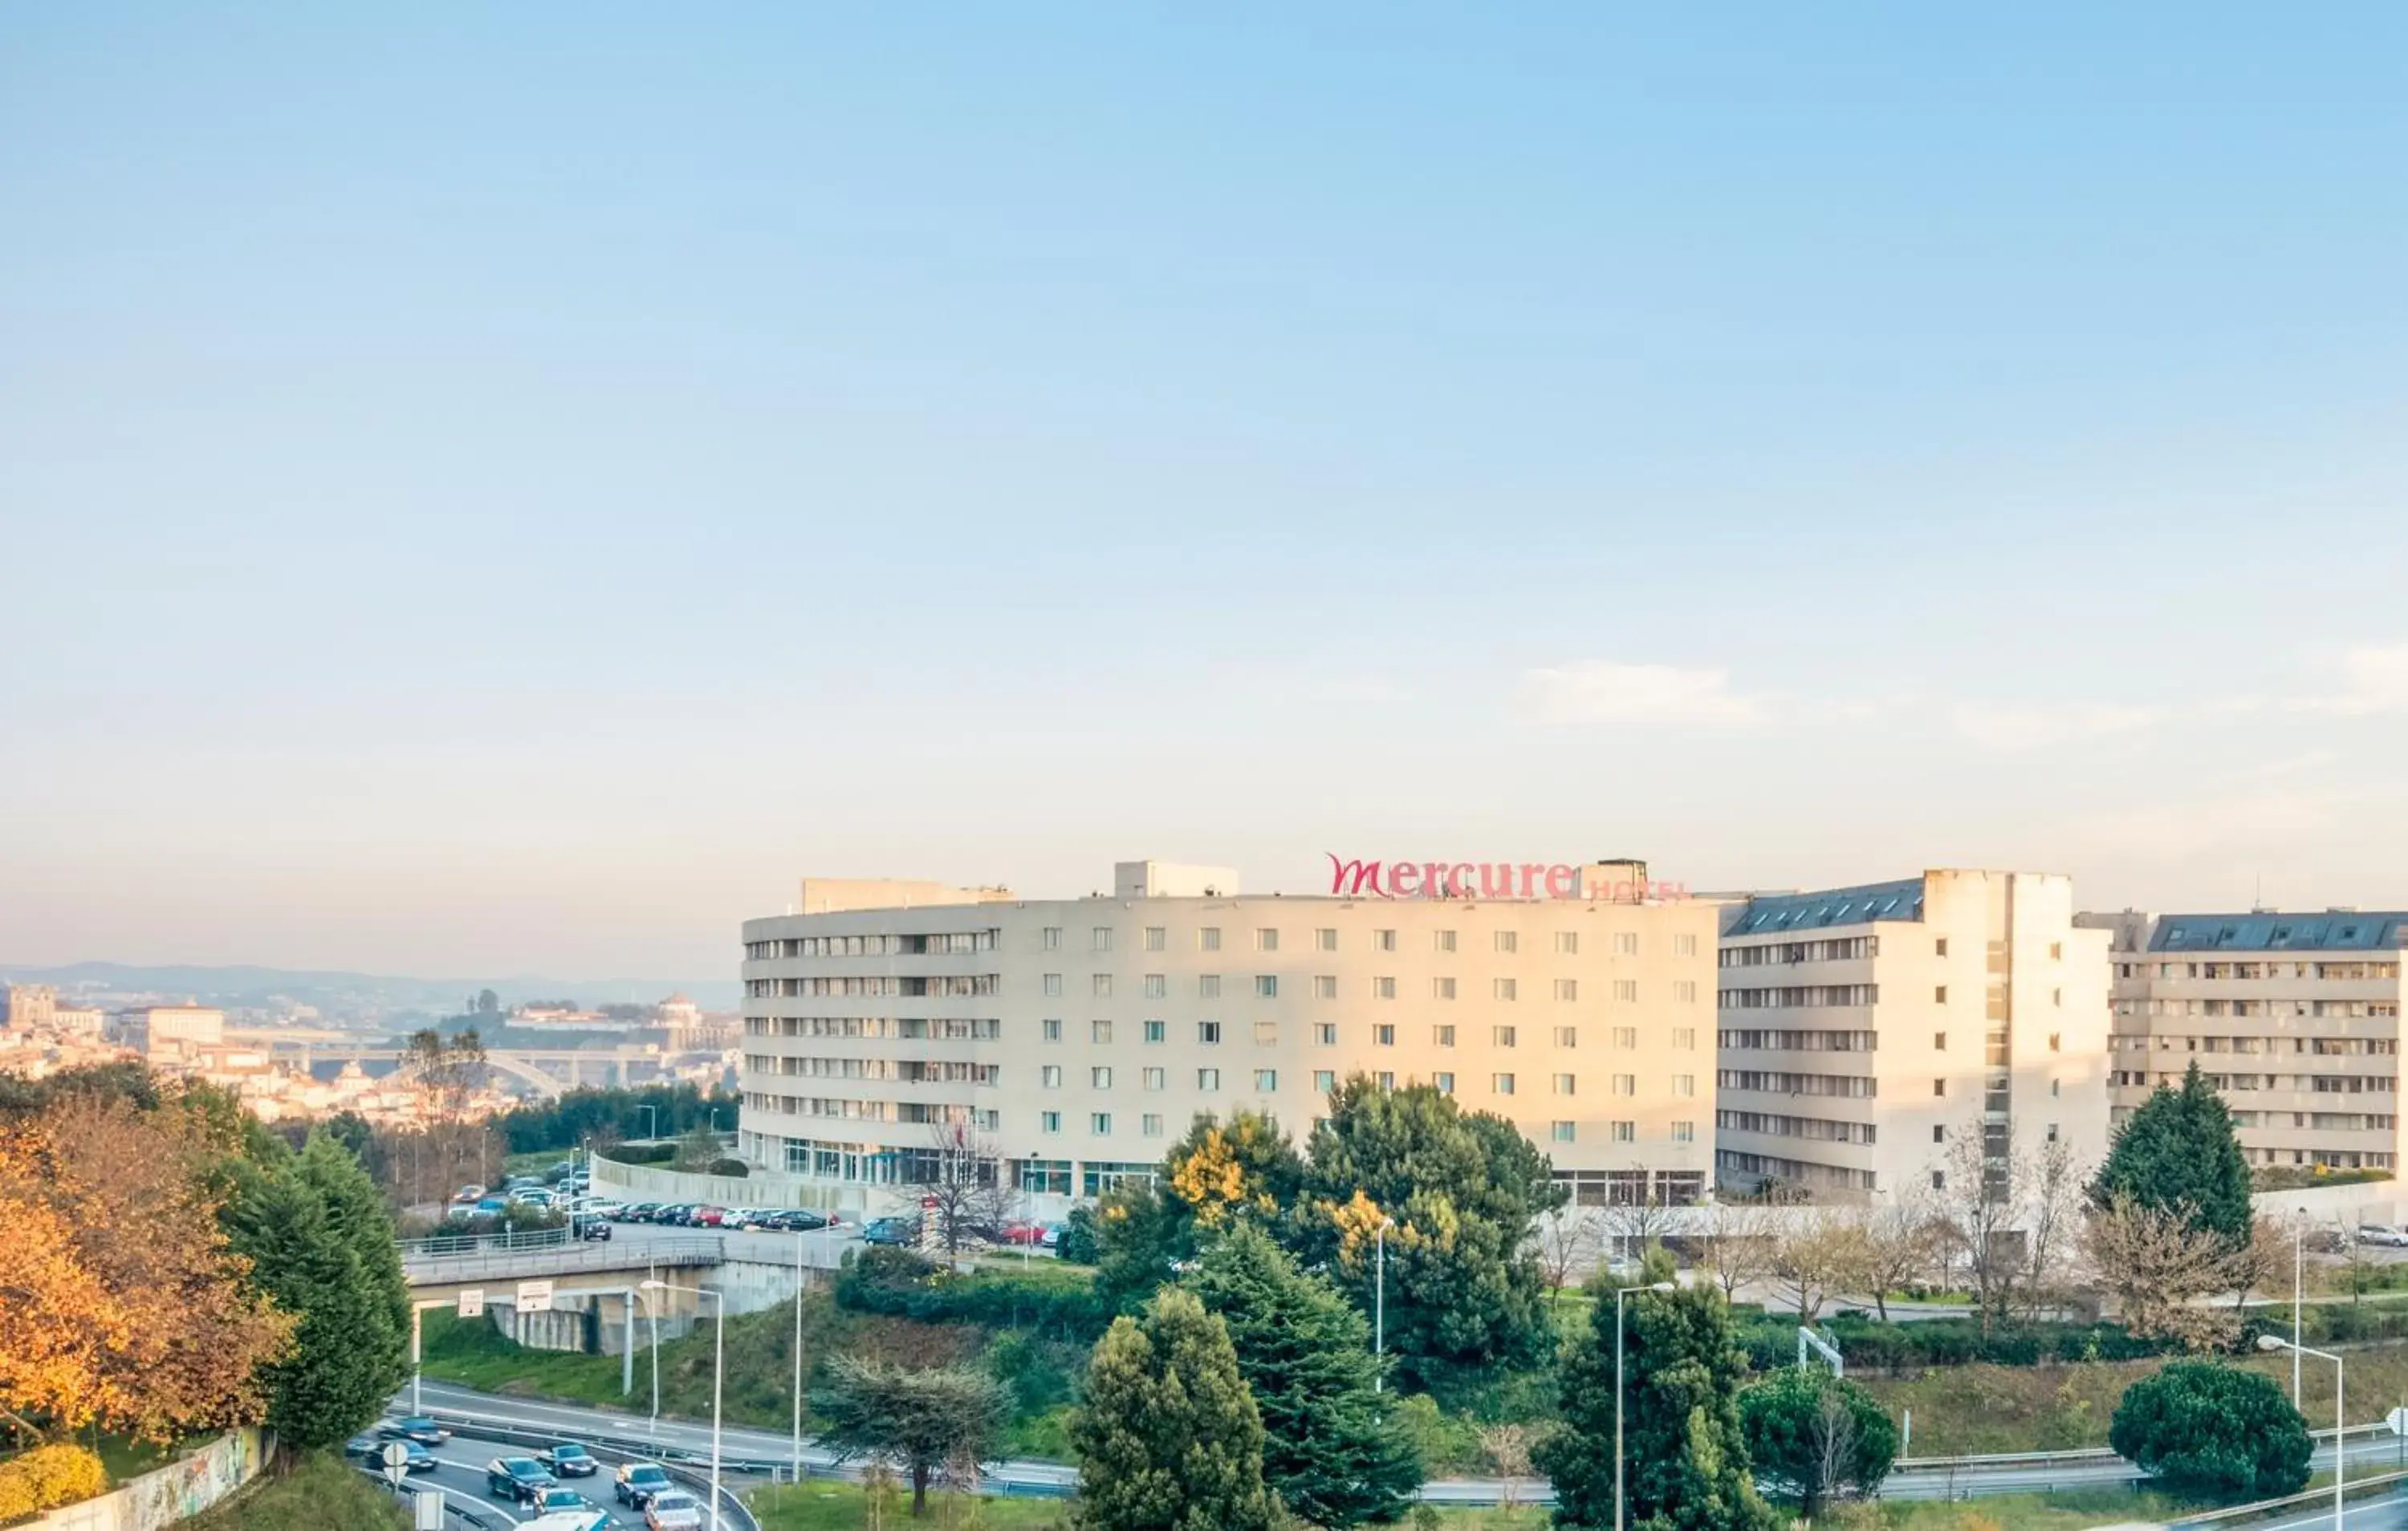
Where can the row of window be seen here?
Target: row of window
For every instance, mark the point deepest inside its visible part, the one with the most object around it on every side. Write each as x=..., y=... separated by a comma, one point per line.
x=1819, y=1129
x=908, y=1029
x=2334, y=970
x=1324, y=986
x=2322, y=1047
x=1798, y=996
x=2318, y=1084
x=903, y=1070
x=1797, y=1171
x=1799, y=1041
x=1325, y=938
x=878, y=986
x=2318, y=1121
x=2343, y=1010
x=943, y=944
x=1778, y=1082
x=1782, y=953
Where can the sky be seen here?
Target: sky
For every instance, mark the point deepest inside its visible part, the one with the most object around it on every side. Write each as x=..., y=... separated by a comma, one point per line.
x=497, y=488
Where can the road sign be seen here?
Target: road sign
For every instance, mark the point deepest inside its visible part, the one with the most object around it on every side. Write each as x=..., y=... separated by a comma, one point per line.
x=397, y=1461
x=428, y=1507
x=2398, y=1420
x=535, y=1296
x=472, y=1303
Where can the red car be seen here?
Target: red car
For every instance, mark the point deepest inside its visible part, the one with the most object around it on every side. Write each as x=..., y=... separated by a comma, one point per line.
x=707, y=1217
x=1021, y=1231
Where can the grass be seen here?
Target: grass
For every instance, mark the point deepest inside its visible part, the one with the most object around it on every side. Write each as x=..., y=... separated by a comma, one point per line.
x=845, y=1507
x=2076, y=1510
x=124, y=1459
x=318, y=1494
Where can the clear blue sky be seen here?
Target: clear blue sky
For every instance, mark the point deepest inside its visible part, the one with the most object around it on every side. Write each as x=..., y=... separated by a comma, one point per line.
x=508, y=488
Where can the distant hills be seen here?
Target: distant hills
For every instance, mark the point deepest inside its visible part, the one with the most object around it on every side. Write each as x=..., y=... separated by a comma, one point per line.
x=359, y=996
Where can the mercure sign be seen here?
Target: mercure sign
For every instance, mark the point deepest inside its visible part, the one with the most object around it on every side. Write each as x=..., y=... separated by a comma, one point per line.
x=1609, y=881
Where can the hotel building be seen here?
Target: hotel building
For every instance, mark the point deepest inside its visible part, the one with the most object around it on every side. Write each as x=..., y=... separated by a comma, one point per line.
x=1861, y=1029
x=2294, y=1018
x=1080, y=1036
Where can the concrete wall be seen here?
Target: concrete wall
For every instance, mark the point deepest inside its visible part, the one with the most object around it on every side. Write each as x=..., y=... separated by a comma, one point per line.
x=170, y=1494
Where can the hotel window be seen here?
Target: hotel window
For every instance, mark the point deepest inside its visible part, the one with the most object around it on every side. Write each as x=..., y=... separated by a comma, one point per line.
x=1509, y=941
x=1443, y=1084
x=1383, y=1035
x=1627, y=990
x=1052, y=1030
x=1625, y=1038
x=1568, y=1037
x=1684, y=1131
x=1324, y=986
x=1152, y=1078
x=2056, y=1041
x=1103, y=938
x=1939, y=947
x=1684, y=946
x=2056, y=998
x=1684, y=1086
x=1940, y=994
x=1501, y=1084
x=1150, y=1124
x=1940, y=1087
x=1099, y=1031
x=1685, y=992
x=1443, y=1035
x=1100, y=1124
x=1099, y=1078
x=1626, y=944
x=1208, y=1033
x=1266, y=1032
x=1626, y=1132
x=1153, y=1030
x=1567, y=989
x=1324, y=1081
x=1566, y=1084
x=1265, y=1082
x=1325, y=1033
x=1157, y=938
x=1442, y=988
x=1938, y=1041
x=1052, y=985
x=1208, y=986
x=1385, y=1080
x=1208, y=1079
x=1625, y=1084
x=1562, y=1132
x=1685, y=1038
x=1384, y=940
x=1502, y=988
x=1383, y=987
x=1325, y=938
x=1157, y=986
x=1442, y=940
x=1050, y=1121
x=1050, y=1076
x=1051, y=938
x=1266, y=985
x=2055, y=950
x=1501, y=1036
x=1103, y=985
x=1568, y=943
x=1209, y=939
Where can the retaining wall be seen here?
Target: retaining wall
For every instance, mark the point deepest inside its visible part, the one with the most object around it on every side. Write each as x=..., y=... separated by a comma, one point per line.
x=165, y=1495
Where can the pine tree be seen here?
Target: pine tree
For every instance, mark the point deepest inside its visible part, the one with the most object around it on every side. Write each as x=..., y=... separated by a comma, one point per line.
x=1306, y=1354
x=2178, y=1151
x=1686, y=1463
x=1170, y=1439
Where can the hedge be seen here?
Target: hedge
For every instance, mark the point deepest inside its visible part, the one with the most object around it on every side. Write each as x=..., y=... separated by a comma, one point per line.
x=48, y=1476
x=1771, y=1340
x=900, y=1284
x=649, y=1153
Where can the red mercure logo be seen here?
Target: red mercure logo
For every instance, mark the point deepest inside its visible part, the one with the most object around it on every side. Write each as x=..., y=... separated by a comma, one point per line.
x=1608, y=882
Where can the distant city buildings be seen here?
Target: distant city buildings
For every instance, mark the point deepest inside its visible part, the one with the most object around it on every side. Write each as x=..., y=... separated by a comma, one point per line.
x=31, y=1006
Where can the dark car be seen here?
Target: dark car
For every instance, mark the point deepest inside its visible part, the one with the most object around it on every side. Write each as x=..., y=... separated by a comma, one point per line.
x=637, y=1213
x=371, y=1451
x=587, y=1227
x=673, y=1213
x=797, y=1220
x=518, y=1477
x=637, y=1482
x=417, y=1427
x=892, y=1230
x=570, y=1460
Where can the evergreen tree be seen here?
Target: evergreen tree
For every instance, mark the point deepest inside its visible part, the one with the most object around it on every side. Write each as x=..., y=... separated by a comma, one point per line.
x=1306, y=1354
x=1170, y=1439
x=1816, y=1435
x=322, y=1248
x=1687, y=1465
x=930, y=1420
x=2213, y=1431
x=2178, y=1151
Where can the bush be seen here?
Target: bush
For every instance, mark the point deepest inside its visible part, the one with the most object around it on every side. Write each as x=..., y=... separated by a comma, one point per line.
x=48, y=1476
x=1771, y=1340
x=2213, y=1431
x=646, y=1153
x=734, y=1169
x=1081, y=1245
x=1445, y=1445
x=900, y=1284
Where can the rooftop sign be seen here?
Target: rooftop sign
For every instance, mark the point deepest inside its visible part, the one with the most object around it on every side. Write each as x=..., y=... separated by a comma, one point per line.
x=1609, y=881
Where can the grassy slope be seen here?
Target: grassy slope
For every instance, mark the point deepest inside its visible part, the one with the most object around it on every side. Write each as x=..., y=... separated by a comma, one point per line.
x=320, y=1495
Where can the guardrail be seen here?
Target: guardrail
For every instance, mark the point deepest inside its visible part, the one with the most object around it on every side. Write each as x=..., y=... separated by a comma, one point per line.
x=565, y=1258
x=446, y=1245
x=2314, y=1498
x=694, y=1469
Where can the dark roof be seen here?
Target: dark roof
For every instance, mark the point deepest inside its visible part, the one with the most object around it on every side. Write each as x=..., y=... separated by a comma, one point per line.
x=2335, y=930
x=1899, y=900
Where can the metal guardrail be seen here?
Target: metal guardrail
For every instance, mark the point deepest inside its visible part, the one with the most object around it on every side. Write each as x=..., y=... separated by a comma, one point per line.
x=561, y=1259
x=446, y=1245
x=2314, y=1498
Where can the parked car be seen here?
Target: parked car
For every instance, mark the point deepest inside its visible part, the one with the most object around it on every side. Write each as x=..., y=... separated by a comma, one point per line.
x=469, y=1193
x=637, y=1482
x=518, y=1479
x=1053, y=1232
x=417, y=1427
x=707, y=1217
x=601, y=1206
x=570, y=1460
x=673, y=1510
x=637, y=1213
x=494, y=1204
x=587, y=1227
x=1021, y=1231
x=2382, y=1234
x=900, y=1231
x=736, y=1218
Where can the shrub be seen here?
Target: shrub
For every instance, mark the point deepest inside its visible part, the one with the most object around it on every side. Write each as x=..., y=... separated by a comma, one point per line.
x=643, y=1153
x=2213, y=1431
x=48, y=1476
x=1079, y=1243
x=734, y=1169
x=1771, y=1340
x=900, y=1284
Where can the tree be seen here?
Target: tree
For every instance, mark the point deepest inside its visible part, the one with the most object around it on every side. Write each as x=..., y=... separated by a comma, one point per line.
x=1813, y=1255
x=1734, y=1243
x=2054, y=1224
x=1080, y=1245
x=925, y=1420
x=1685, y=1459
x=697, y=1149
x=962, y=1187
x=1170, y=1439
x=448, y=1068
x=320, y=1245
x=1983, y=1193
x=1566, y=1244
x=1138, y=1236
x=1816, y=1437
x=1306, y=1356
x=2178, y=1149
x=2213, y=1431
x=2159, y=1268
x=1247, y=1169
x=488, y=1002
x=1897, y=1247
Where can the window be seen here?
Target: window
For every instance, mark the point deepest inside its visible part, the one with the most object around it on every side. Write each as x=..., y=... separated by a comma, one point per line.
x=2056, y=1041
x=1266, y=985
x=1939, y=947
x=1324, y=986
x=1940, y=994
x=1684, y=946
x=1626, y=991
x=1052, y=1030
x=1385, y=1080
x=1566, y=1084
x=1324, y=1081
x=1685, y=1038
x=1684, y=1131
x=1208, y=1033
x=1052, y=985
x=1099, y=1078
x=1153, y=1030
x=1626, y=1132
x=1567, y=989
x=1151, y=1078
x=1442, y=1082
x=1157, y=938
x=1443, y=1035
x=1939, y=1132
x=1939, y=1176
x=1443, y=939
x=1684, y=1086
x=2055, y=950
x=1684, y=990
x=1501, y=1084
x=2056, y=998
x=1050, y=1076
x=1157, y=986
x=1325, y=1033
x=1102, y=984
x=1325, y=938
x=1265, y=1080
x=1208, y=939
x=1099, y=1031
x=1266, y=1032
x=1100, y=1124
x=1626, y=944
x=1625, y=1038
x=1208, y=1079
x=1560, y=1131
x=1052, y=937
x=1050, y=1121
x=1384, y=940
x=1509, y=941
x=1266, y=939
x=1383, y=987
x=1383, y=1035
x=1625, y=1084
x=1568, y=943
x=1442, y=988
x=1940, y=1087
x=1502, y=988
x=1208, y=986
x=1501, y=1036
x=1150, y=1124
x=1938, y=1041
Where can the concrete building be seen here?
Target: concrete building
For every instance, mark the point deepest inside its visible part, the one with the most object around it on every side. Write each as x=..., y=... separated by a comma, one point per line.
x=2294, y=1018
x=1079, y=1036
x=167, y=1031
x=31, y=1006
x=79, y=1020
x=1862, y=1029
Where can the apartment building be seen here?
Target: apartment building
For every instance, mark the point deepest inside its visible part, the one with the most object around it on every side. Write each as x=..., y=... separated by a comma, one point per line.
x=1860, y=1030
x=2294, y=1018
x=167, y=1032
x=1079, y=1036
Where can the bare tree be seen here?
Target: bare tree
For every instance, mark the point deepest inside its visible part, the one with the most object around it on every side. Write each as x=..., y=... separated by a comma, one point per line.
x=1633, y=1220
x=1982, y=1192
x=1508, y=1449
x=1835, y=1444
x=2057, y=1193
x=2161, y=1271
x=1816, y=1253
x=1900, y=1240
x=1733, y=1243
x=1565, y=1243
x=961, y=1185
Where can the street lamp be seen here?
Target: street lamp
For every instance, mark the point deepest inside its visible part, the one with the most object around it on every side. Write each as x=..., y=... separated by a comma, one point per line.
x=1380, y=1299
x=718, y=1375
x=652, y=1117
x=2341, y=1441
x=1619, y=1294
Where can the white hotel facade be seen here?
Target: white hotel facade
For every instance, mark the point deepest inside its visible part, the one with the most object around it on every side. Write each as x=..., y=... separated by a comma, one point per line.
x=1080, y=1036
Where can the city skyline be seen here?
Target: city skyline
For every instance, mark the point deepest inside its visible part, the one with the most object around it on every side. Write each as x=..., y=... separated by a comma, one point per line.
x=515, y=491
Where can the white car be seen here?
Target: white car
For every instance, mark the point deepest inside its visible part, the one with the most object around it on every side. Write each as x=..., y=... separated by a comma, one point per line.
x=674, y=1511
x=735, y=1218
x=2382, y=1234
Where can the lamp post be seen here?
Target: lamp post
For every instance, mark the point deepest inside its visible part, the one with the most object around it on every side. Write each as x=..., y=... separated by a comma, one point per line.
x=652, y=1118
x=1380, y=1300
x=798, y=1356
x=2298, y=1239
x=2340, y=1442
x=718, y=1375
x=1619, y=1294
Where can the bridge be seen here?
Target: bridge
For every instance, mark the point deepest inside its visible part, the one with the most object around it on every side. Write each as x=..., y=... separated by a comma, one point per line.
x=543, y=1071
x=478, y=1260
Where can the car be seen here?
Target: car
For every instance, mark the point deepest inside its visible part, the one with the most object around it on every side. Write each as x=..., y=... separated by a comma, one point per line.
x=586, y=1225
x=2382, y=1234
x=533, y=1199
x=556, y=1501
x=494, y=1204
x=417, y=1427
x=570, y=1460
x=1053, y=1232
x=707, y=1217
x=420, y=1459
x=738, y=1218
x=892, y=1230
x=600, y=1206
x=1021, y=1231
x=673, y=1510
x=516, y=1477
x=793, y=1220
x=364, y=1447
x=469, y=1193
x=591, y=1518
x=674, y=1214
x=637, y=1482
x=640, y=1212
